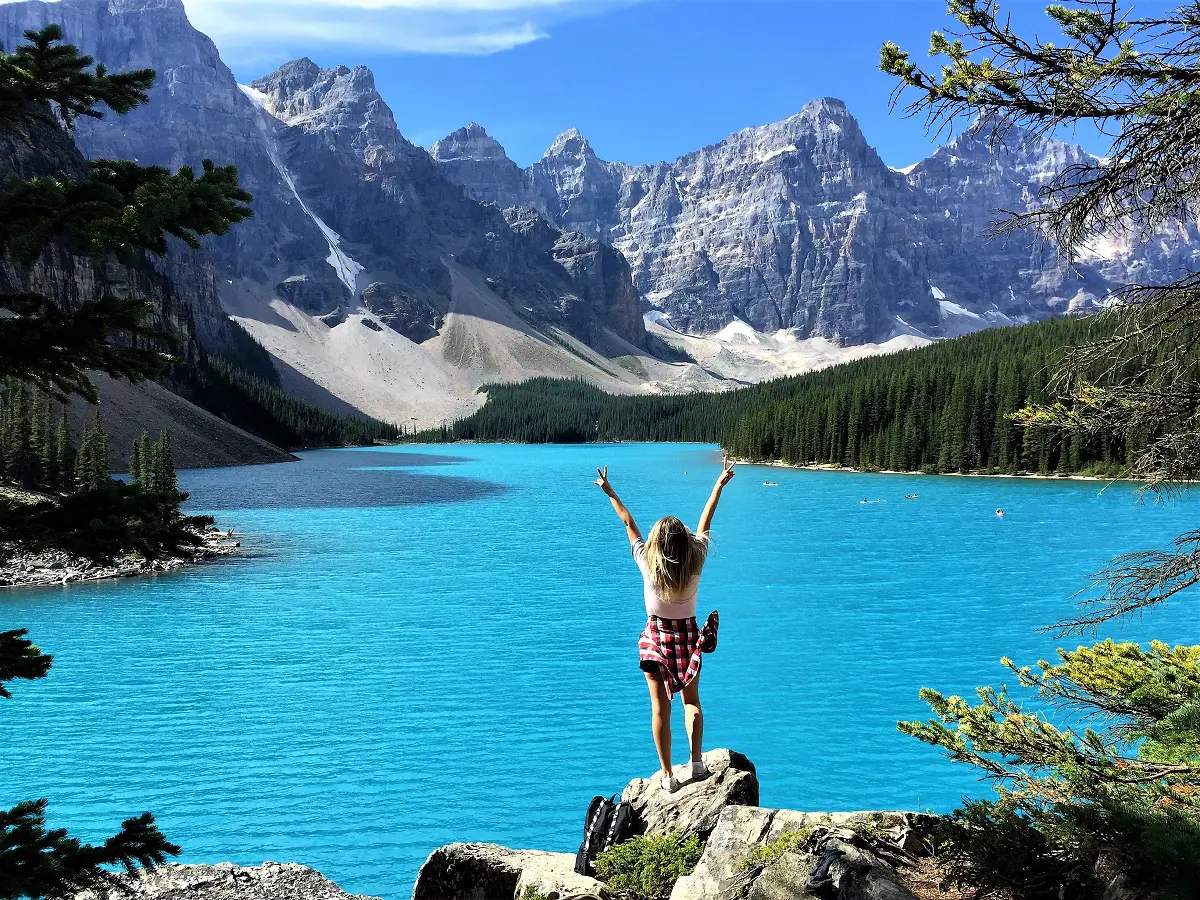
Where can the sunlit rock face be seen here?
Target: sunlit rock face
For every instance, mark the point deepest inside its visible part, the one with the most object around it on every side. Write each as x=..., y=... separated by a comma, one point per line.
x=800, y=225
x=343, y=202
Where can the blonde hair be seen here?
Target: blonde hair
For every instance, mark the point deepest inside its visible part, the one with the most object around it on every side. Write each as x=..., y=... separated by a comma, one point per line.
x=674, y=556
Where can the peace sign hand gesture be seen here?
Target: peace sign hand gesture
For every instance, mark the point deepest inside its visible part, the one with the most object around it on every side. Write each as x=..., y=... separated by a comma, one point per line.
x=727, y=473
x=602, y=481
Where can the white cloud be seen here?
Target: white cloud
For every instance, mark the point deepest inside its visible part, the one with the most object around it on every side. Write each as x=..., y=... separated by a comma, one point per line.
x=469, y=27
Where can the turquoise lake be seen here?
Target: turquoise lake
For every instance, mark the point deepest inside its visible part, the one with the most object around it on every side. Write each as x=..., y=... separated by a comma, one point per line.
x=433, y=644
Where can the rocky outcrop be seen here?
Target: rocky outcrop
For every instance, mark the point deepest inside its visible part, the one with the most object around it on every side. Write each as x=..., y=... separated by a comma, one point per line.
x=416, y=319
x=750, y=853
x=488, y=872
x=697, y=805
x=491, y=872
x=225, y=881
x=21, y=569
x=861, y=853
x=311, y=295
x=472, y=158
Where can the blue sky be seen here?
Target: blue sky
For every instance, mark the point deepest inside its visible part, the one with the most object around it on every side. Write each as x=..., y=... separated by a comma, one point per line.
x=644, y=80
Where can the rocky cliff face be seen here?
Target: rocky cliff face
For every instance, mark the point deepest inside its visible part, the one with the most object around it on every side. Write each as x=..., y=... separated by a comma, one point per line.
x=399, y=218
x=61, y=274
x=196, y=112
x=969, y=180
x=342, y=200
x=473, y=159
x=799, y=225
x=354, y=226
x=183, y=304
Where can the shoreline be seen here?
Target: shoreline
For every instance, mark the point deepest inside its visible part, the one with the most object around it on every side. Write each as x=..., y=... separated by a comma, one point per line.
x=851, y=470
x=56, y=568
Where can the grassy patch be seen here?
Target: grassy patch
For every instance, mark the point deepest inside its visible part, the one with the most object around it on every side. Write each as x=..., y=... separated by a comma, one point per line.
x=765, y=854
x=647, y=867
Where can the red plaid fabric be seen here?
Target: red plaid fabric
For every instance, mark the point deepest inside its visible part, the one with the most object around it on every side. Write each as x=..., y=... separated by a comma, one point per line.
x=676, y=646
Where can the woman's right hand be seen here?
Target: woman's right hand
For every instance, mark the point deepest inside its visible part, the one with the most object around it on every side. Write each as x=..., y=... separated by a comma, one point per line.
x=602, y=481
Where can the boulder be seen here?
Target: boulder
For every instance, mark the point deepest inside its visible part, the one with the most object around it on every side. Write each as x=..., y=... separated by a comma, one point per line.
x=225, y=881
x=491, y=872
x=696, y=806
x=859, y=868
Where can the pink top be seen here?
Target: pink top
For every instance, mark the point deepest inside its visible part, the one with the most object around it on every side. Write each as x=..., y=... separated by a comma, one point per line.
x=681, y=607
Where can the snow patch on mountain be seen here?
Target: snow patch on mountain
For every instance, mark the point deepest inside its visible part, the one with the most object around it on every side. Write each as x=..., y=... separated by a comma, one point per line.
x=739, y=354
x=346, y=267
x=950, y=308
x=768, y=155
x=738, y=332
x=257, y=97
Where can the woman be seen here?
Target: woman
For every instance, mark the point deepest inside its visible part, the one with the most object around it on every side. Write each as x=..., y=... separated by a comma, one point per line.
x=670, y=646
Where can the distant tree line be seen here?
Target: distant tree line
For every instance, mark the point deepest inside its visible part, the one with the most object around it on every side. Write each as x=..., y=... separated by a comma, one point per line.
x=946, y=407
x=254, y=404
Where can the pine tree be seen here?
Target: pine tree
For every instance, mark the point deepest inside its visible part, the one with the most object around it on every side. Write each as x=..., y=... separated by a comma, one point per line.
x=117, y=208
x=1109, y=806
x=167, y=482
x=17, y=449
x=98, y=476
x=139, y=460
x=38, y=468
x=64, y=454
x=83, y=461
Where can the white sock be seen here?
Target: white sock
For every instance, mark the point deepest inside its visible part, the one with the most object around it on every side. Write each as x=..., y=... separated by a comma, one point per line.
x=699, y=767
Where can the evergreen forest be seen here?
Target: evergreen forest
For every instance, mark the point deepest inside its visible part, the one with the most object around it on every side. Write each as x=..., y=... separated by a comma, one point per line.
x=73, y=503
x=258, y=404
x=946, y=407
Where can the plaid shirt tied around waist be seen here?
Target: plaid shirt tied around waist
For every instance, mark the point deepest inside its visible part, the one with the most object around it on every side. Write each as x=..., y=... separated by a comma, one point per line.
x=676, y=646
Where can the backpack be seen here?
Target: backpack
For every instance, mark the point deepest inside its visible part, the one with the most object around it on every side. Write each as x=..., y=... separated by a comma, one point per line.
x=609, y=822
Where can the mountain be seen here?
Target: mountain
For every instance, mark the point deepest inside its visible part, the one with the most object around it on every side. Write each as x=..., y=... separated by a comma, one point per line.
x=374, y=282
x=799, y=225
x=183, y=304
x=389, y=280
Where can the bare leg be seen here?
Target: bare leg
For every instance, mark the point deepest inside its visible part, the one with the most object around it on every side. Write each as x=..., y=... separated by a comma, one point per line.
x=693, y=718
x=660, y=712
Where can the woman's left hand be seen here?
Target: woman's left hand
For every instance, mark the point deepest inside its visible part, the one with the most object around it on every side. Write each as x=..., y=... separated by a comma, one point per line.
x=727, y=473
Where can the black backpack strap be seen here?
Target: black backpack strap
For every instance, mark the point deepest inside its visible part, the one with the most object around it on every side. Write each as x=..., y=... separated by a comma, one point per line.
x=594, y=825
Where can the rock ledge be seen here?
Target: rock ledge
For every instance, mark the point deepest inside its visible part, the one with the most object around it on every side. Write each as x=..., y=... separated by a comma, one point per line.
x=225, y=881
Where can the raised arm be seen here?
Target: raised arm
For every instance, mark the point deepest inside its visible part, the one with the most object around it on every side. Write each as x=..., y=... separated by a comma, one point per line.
x=625, y=515
x=714, y=498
